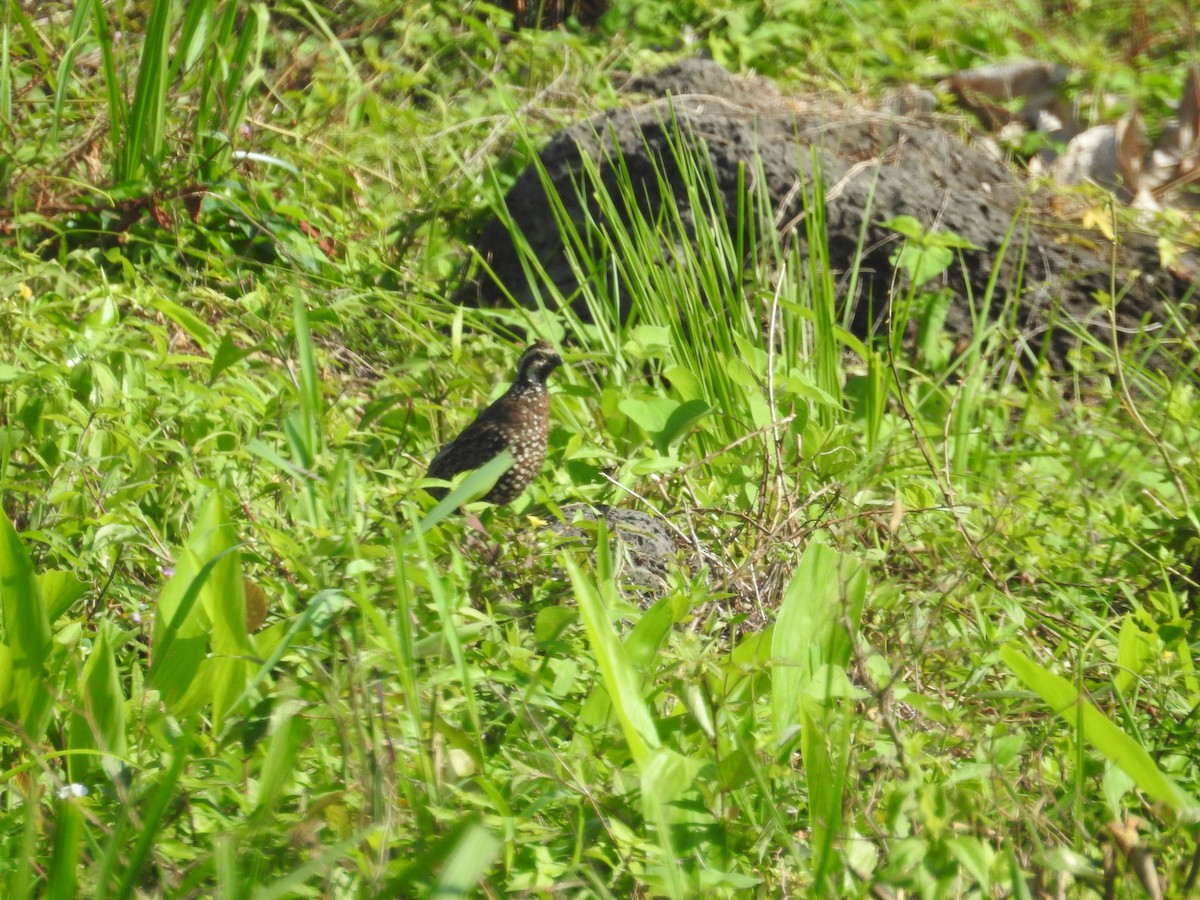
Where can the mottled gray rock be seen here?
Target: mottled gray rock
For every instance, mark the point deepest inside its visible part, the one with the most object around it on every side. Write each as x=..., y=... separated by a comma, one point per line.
x=642, y=545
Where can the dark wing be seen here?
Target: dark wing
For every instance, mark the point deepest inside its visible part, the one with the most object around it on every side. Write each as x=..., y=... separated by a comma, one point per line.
x=478, y=443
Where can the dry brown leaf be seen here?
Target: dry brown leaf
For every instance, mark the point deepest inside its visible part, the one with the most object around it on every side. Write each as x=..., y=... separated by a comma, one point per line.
x=256, y=605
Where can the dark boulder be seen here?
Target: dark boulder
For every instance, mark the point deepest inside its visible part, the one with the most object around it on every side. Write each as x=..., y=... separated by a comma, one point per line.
x=874, y=166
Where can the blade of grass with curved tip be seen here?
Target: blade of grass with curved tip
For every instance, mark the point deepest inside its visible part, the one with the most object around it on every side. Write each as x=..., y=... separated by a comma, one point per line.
x=1067, y=701
x=472, y=487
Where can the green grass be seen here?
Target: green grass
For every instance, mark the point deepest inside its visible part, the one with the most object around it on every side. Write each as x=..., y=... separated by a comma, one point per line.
x=932, y=628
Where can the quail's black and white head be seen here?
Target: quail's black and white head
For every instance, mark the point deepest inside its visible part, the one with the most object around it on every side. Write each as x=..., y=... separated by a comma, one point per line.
x=518, y=422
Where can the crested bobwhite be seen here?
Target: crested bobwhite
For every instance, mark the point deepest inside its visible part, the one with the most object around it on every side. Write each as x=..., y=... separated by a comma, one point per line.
x=517, y=421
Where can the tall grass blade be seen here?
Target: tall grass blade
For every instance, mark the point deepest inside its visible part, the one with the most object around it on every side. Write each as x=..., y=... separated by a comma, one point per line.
x=118, y=114
x=62, y=80
x=440, y=592
x=407, y=667
x=145, y=131
x=5, y=78
x=1067, y=701
x=827, y=349
x=279, y=765
x=151, y=817
x=68, y=846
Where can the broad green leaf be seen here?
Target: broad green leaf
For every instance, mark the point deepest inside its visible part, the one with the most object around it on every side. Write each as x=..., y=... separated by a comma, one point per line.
x=68, y=842
x=199, y=330
x=905, y=225
x=224, y=598
x=976, y=856
x=1134, y=649
x=679, y=423
x=98, y=709
x=59, y=590
x=620, y=679
x=1117, y=747
x=279, y=765
x=550, y=621
x=181, y=629
x=747, y=664
x=26, y=630
x=922, y=263
x=825, y=749
x=931, y=327
x=203, y=608
x=828, y=588
x=666, y=777
x=802, y=386
x=468, y=863
x=824, y=598
x=646, y=341
x=647, y=637
x=227, y=354
x=684, y=383
x=650, y=413
x=715, y=878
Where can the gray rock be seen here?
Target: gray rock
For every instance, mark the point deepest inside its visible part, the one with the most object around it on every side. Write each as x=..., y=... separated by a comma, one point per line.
x=642, y=545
